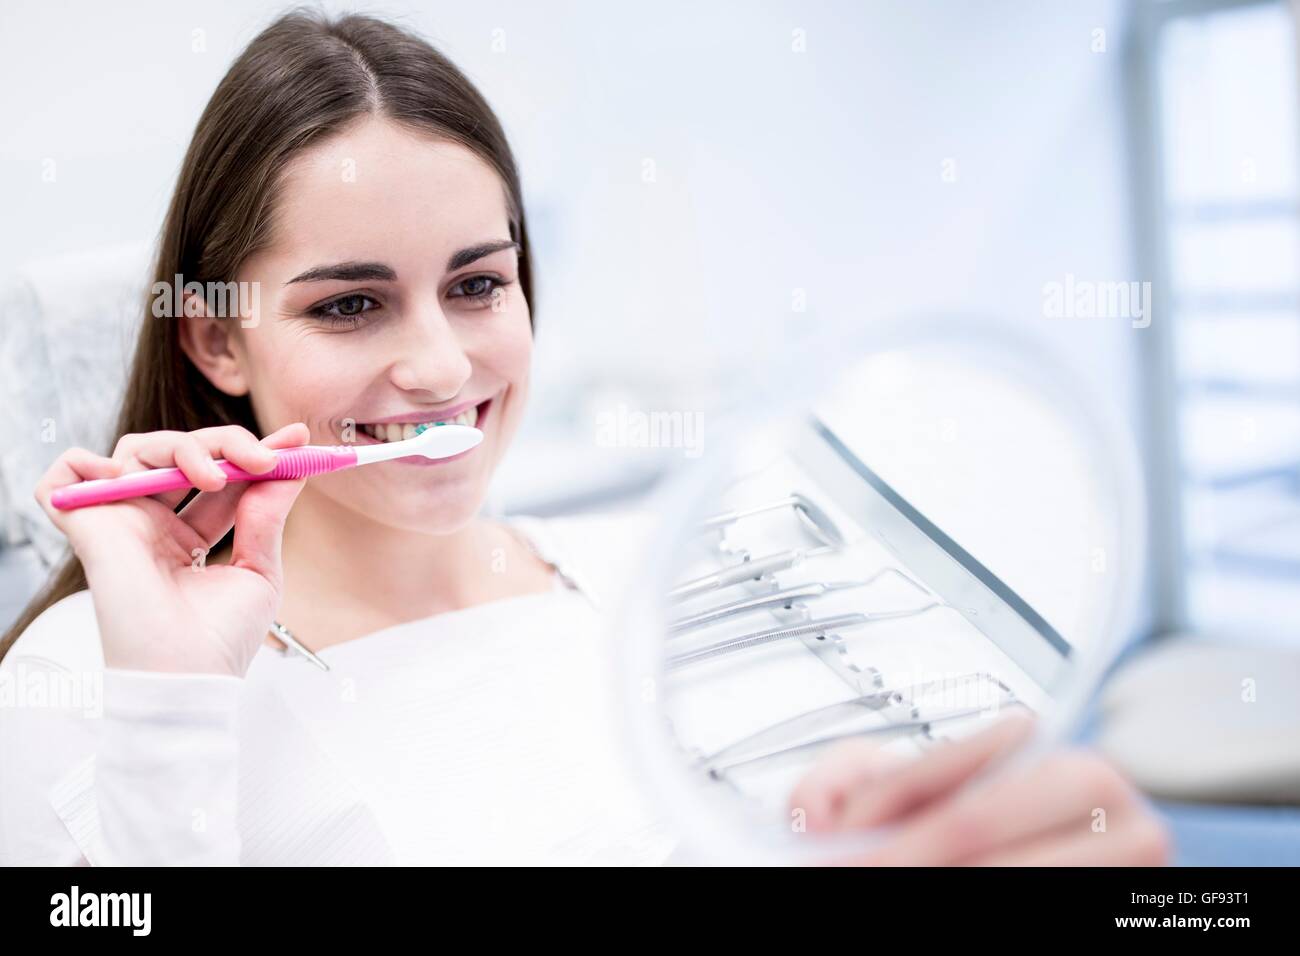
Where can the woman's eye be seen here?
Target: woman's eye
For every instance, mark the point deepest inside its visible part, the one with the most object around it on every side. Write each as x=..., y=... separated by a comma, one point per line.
x=480, y=288
x=346, y=309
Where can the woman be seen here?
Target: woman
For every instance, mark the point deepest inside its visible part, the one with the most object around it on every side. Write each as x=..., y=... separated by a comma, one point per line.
x=355, y=179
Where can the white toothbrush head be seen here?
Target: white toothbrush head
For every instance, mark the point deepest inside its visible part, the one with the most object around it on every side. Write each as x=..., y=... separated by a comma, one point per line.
x=431, y=441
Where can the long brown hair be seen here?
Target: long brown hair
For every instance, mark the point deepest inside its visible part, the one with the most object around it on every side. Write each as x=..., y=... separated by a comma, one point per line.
x=302, y=78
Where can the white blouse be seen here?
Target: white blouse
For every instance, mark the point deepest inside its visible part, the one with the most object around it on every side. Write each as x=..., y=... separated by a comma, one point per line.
x=483, y=735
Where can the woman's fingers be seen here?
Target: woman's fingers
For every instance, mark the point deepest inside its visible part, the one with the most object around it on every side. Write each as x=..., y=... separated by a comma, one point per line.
x=259, y=526
x=73, y=466
x=1066, y=795
x=842, y=770
x=159, y=449
x=195, y=454
x=1139, y=839
x=199, y=466
x=167, y=449
x=912, y=785
x=212, y=513
x=238, y=446
x=290, y=436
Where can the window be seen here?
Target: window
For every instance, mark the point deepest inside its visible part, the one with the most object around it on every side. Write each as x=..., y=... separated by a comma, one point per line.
x=1222, y=160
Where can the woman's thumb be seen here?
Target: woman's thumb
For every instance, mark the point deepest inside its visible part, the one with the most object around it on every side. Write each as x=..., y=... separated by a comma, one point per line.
x=259, y=525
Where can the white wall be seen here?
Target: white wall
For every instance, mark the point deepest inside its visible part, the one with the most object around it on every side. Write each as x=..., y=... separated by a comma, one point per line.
x=776, y=170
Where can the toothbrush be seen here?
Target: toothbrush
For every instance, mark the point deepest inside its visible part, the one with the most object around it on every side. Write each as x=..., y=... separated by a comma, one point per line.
x=438, y=440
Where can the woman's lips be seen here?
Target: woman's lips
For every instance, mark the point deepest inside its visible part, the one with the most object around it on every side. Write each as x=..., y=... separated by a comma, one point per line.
x=483, y=409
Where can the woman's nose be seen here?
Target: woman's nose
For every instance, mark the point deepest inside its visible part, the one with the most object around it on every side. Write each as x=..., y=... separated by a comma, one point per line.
x=431, y=357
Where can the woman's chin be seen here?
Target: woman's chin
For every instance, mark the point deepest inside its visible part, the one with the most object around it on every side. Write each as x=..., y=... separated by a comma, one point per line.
x=437, y=507
x=440, y=511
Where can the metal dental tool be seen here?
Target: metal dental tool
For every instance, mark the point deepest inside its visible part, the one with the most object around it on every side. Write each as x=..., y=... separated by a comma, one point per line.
x=835, y=721
x=748, y=570
x=900, y=728
x=782, y=598
x=813, y=517
x=285, y=636
x=784, y=632
x=818, y=523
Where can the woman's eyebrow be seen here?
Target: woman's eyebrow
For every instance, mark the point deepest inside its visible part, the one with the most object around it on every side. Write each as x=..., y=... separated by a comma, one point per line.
x=378, y=272
x=347, y=272
x=473, y=253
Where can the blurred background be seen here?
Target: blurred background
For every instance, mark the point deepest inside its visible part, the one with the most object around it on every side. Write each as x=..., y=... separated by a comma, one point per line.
x=708, y=181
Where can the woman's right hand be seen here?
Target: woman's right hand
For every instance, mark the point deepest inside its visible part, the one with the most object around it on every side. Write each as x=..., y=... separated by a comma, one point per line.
x=159, y=604
x=1068, y=807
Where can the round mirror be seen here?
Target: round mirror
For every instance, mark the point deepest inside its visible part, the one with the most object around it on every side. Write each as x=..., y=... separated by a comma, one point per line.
x=946, y=528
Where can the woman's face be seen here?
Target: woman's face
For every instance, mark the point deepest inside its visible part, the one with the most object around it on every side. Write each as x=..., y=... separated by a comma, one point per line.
x=390, y=297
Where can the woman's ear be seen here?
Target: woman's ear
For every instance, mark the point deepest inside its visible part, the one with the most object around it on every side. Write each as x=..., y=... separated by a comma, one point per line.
x=211, y=345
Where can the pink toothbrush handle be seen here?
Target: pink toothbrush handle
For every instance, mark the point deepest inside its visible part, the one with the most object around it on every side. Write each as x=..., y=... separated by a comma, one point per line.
x=299, y=462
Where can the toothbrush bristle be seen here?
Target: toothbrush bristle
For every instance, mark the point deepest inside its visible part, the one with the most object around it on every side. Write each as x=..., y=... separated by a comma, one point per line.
x=424, y=426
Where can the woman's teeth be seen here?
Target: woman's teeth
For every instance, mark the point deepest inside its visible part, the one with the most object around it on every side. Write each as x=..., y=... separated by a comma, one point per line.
x=403, y=431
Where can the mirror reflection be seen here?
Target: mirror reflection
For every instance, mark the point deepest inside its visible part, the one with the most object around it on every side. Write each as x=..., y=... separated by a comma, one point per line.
x=926, y=548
